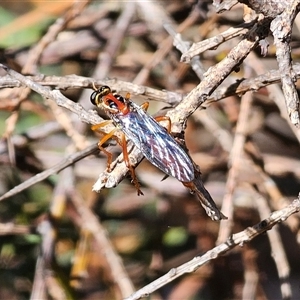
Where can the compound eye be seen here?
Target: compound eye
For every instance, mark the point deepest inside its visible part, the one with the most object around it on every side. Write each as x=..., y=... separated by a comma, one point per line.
x=120, y=98
x=112, y=104
x=93, y=97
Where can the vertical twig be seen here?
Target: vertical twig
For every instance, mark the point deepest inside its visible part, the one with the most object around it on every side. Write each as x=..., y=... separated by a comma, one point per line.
x=277, y=250
x=235, y=162
x=281, y=28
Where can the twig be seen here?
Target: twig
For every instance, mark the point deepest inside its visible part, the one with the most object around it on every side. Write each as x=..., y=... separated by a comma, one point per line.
x=220, y=133
x=35, y=53
x=70, y=160
x=11, y=228
x=212, y=43
x=64, y=120
x=251, y=273
x=164, y=45
x=235, y=162
x=36, y=133
x=233, y=241
x=74, y=81
x=91, y=222
x=280, y=258
x=213, y=78
x=183, y=46
x=281, y=28
x=147, y=10
x=106, y=57
x=239, y=87
x=39, y=282
x=222, y=5
x=55, y=96
x=275, y=93
x=46, y=265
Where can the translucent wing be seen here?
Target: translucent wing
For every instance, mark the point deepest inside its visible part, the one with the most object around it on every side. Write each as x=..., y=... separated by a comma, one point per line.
x=155, y=143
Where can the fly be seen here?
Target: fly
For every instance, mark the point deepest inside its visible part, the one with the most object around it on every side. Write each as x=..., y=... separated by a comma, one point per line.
x=152, y=139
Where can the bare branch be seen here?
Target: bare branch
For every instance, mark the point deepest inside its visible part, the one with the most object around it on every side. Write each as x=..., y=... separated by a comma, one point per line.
x=281, y=28
x=236, y=239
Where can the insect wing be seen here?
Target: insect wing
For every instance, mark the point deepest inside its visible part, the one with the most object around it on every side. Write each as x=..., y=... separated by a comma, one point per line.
x=155, y=143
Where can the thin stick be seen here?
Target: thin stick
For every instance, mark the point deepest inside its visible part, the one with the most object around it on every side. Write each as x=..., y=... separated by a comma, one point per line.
x=236, y=156
x=91, y=222
x=281, y=28
x=55, y=96
x=55, y=169
x=236, y=239
x=280, y=258
x=238, y=87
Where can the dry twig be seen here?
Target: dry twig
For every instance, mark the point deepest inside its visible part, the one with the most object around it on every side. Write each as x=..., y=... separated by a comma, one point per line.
x=236, y=239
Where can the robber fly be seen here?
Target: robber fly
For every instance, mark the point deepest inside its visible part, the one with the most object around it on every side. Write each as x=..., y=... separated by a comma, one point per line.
x=152, y=139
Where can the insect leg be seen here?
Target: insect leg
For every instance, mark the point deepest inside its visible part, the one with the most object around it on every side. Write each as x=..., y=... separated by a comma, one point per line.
x=105, y=138
x=165, y=118
x=107, y=153
x=127, y=97
x=102, y=124
x=129, y=166
x=145, y=106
